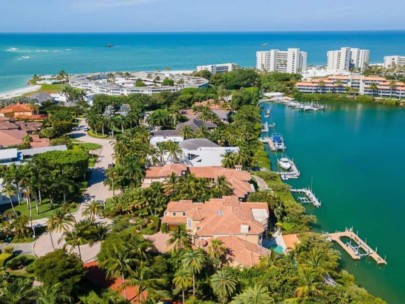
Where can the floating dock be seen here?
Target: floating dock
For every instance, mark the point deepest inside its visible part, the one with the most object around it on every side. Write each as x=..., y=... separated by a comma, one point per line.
x=292, y=173
x=310, y=197
x=354, y=251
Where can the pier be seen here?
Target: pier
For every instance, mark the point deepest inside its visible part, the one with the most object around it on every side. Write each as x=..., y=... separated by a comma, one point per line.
x=310, y=196
x=292, y=173
x=354, y=250
x=271, y=144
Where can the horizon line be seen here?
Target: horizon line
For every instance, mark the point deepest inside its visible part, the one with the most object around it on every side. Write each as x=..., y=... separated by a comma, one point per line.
x=206, y=32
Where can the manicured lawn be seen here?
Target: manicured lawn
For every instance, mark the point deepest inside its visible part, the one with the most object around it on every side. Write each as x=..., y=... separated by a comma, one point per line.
x=92, y=134
x=52, y=88
x=87, y=146
x=45, y=209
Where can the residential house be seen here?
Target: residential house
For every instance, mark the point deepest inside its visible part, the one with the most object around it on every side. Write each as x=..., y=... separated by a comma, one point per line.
x=241, y=226
x=161, y=174
x=201, y=152
x=165, y=136
x=17, y=111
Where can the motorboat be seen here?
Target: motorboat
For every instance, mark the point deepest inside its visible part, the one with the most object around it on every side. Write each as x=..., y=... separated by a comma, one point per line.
x=278, y=142
x=285, y=163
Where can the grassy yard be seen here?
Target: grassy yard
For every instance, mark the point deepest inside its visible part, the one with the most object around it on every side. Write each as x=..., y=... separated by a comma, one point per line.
x=45, y=209
x=52, y=88
x=92, y=134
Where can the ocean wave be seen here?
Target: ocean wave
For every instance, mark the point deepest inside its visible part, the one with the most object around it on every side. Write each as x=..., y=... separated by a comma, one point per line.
x=23, y=58
x=17, y=50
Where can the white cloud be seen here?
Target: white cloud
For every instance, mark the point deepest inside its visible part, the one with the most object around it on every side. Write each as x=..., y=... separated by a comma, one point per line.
x=91, y=5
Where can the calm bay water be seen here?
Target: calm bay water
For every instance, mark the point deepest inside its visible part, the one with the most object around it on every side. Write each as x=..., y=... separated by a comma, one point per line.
x=22, y=55
x=354, y=157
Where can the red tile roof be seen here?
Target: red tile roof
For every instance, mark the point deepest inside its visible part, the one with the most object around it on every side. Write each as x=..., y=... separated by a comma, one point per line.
x=241, y=252
x=16, y=108
x=165, y=171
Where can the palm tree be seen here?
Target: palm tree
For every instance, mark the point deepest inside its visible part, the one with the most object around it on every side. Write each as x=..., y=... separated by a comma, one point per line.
x=194, y=260
x=223, y=283
x=74, y=239
x=222, y=187
x=93, y=209
x=216, y=251
x=10, y=191
x=228, y=160
x=374, y=88
x=253, y=295
x=187, y=132
x=183, y=280
x=174, y=151
x=308, y=284
x=119, y=262
x=179, y=238
x=46, y=294
x=146, y=280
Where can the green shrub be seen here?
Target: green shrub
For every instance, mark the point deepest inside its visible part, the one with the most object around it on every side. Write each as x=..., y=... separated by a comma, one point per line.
x=9, y=249
x=19, y=262
x=4, y=257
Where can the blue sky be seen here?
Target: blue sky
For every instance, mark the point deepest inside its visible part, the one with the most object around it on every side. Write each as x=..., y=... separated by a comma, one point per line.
x=201, y=15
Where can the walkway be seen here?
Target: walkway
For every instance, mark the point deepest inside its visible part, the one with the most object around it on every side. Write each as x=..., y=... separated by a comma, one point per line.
x=95, y=191
x=261, y=183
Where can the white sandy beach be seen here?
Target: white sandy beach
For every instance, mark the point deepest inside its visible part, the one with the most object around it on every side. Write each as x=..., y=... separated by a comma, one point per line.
x=19, y=92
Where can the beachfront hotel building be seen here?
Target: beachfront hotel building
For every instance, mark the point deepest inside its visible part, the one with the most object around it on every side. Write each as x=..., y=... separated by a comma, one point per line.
x=347, y=58
x=394, y=61
x=362, y=85
x=291, y=61
x=218, y=68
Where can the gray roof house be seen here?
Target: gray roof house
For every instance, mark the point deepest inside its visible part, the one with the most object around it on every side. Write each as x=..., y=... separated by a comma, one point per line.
x=196, y=124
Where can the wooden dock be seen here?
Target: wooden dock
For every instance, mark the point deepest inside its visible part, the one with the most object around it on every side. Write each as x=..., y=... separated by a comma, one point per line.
x=354, y=251
x=310, y=195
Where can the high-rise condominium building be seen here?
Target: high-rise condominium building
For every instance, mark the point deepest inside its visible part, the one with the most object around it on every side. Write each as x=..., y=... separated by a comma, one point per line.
x=218, y=68
x=291, y=61
x=394, y=61
x=346, y=58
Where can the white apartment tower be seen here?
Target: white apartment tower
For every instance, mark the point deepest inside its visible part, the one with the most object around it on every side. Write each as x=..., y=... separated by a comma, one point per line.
x=346, y=58
x=394, y=61
x=291, y=61
x=218, y=68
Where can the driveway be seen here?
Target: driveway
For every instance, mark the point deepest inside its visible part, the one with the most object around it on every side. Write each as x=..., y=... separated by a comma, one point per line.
x=95, y=191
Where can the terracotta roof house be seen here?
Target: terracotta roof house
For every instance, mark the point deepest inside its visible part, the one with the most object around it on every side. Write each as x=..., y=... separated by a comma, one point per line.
x=161, y=174
x=239, y=180
x=290, y=241
x=17, y=110
x=241, y=252
x=10, y=138
x=225, y=218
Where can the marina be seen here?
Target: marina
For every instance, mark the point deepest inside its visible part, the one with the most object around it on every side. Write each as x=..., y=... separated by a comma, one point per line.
x=291, y=103
x=357, y=251
x=309, y=197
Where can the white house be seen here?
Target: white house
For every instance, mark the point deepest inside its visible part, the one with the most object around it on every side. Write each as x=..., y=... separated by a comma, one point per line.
x=165, y=136
x=200, y=152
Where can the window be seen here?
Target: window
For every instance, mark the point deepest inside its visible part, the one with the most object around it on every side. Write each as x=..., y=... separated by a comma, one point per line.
x=174, y=213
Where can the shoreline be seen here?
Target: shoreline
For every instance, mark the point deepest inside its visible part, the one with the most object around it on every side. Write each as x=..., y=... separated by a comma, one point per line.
x=17, y=92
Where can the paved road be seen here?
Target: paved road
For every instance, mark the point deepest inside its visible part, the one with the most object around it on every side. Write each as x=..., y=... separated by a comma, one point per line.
x=25, y=248
x=96, y=191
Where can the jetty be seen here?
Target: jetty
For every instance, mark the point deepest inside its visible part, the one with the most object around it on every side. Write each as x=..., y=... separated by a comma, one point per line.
x=309, y=198
x=357, y=251
x=292, y=173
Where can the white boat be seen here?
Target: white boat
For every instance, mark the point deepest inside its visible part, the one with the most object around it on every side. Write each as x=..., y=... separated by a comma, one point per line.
x=285, y=163
x=267, y=115
x=278, y=142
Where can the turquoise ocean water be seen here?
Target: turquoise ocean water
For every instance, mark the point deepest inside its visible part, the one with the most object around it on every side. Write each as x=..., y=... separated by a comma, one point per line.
x=22, y=55
x=353, y=155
